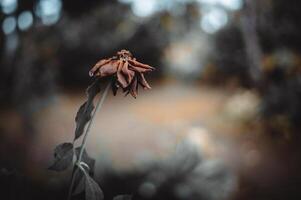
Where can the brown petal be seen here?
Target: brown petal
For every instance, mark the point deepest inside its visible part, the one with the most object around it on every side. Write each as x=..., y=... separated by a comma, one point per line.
x=98, y=65
x=139, y=64
x=121, y=79
x=108, y=69
x=127, y=90
x=133, y=89
x=139, y=69
x=143, y=82
x=129, y=73
x=102, y=62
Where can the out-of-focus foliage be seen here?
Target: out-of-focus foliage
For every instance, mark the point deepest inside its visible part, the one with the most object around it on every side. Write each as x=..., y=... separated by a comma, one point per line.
x=279, y=35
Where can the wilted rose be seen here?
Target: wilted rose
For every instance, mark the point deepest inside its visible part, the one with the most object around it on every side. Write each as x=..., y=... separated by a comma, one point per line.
x=128, y=73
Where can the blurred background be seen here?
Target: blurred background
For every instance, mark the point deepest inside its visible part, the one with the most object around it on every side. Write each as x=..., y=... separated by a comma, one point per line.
x=222, y=120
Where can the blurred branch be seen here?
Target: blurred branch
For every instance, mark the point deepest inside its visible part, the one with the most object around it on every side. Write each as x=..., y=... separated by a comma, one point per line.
x=250, y=37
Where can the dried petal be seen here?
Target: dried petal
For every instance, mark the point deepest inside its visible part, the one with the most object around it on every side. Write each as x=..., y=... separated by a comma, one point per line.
x=139, y=69
x=98, y=65
x=133, y=89
x=109, y=69
x=103, y=62
x=127, y=72
x=143, y=82
x=120, y=78
x=139, y=64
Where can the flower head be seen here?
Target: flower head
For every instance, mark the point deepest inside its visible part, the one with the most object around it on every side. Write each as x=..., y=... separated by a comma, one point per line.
x=128, y=73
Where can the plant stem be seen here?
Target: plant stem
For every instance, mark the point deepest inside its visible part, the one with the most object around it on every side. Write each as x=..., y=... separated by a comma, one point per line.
x=84, y=141
x=98, y=107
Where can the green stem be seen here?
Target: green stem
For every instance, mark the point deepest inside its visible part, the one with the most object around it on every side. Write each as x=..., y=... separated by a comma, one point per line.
x=98, y=107
x=82, y=148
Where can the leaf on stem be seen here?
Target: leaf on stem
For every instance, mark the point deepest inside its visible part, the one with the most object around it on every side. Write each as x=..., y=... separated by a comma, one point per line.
x=93, y=89
x=79, y=182
x=85, y=183
x=86, y=159
x=63, y=155
x=92, y=189
x=79, y=178
x=83, y=115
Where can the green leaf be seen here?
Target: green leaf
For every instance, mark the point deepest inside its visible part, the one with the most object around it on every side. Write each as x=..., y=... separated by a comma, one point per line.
x=86, y=166
x=123, y=197
x=93, y=89
x=86, y=159
x=83, y=115
x=92, y=189
x=79, y=182
x=63, y=155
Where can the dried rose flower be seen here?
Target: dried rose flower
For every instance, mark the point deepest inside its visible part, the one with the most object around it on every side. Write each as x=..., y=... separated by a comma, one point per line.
x=128, y=73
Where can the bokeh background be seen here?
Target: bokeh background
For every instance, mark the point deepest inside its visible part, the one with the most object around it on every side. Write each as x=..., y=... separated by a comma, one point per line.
x=222, y=120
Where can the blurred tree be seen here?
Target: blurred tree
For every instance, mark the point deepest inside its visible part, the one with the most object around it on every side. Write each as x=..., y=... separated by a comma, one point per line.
x=270, y=38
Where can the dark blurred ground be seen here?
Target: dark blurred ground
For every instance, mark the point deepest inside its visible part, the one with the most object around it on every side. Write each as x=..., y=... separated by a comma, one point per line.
x=221, y=122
